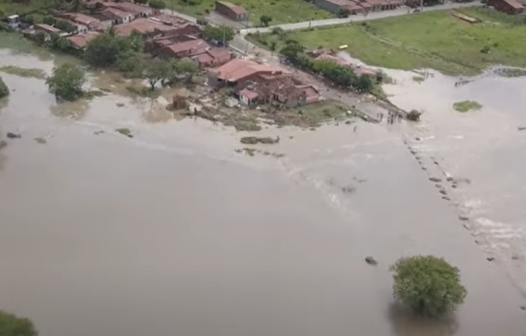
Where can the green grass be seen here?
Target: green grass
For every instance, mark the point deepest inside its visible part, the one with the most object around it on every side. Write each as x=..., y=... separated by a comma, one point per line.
x=281, y=11
x=426, y=40
x=467, y=105
x=23, y=72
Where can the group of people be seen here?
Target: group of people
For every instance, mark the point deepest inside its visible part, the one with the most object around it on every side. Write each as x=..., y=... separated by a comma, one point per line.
x=391, y=117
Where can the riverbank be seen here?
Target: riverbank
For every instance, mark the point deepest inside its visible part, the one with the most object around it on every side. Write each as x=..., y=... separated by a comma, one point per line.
x=434, y=40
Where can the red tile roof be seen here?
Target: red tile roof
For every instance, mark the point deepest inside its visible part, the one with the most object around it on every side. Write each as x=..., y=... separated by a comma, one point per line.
x=235, y=8
x=141, y=25
x=114, y=12
x=129, y=7
x=249, y=94
x=47, y=28
x=79, y=41
x=239, y=68
x=514, y=4
x=192, y=45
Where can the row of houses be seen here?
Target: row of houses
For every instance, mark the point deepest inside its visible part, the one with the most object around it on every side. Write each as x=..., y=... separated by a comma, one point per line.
x=357, y=6
x=168, y=36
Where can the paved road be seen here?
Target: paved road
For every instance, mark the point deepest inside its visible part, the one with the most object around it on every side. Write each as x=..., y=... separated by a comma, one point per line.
x=354, y=18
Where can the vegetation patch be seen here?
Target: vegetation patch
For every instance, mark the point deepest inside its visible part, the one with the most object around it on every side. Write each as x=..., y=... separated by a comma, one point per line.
x=466, y=106
x=124, y=131
x=23, y=72
x=418, y=79
x=427, y=40
x=428, y=285
x=66, y=82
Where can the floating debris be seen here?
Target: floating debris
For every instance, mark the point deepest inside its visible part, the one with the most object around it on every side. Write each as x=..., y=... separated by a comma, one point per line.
x=371, y=261
x=125, y=132
x=41, y=140
x=11, y=135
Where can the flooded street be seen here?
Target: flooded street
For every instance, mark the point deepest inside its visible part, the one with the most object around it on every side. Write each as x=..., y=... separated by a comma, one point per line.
x=173, y=232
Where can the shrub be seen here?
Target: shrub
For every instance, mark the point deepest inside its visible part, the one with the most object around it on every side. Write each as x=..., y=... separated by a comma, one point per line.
x=11, y=325
x=428, y=285
x=158, y=4
x=4, y=90
x=414, y=115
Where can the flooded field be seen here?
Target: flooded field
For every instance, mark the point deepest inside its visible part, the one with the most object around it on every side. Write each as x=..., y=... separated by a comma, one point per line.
x=173, y=232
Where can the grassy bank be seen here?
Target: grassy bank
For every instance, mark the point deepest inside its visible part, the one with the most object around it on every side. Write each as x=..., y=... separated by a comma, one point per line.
x=426, y=40
x=281, y=11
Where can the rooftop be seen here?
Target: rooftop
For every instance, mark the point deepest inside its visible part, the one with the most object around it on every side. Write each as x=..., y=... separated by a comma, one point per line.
x=129, y=7
x=197, y=45
x=235, y=8
x=514, y=4
x=115, y=12
x=79, y=41
x=239, y=68
x=141, y=25
x=48, y=28
x=171, y=20
x=83, y=19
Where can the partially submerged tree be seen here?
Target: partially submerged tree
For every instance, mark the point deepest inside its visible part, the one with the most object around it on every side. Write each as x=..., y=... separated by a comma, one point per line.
x=428, y=285
x=156, y=70
x=11, y=325
x=66, y=82
x=4, y=90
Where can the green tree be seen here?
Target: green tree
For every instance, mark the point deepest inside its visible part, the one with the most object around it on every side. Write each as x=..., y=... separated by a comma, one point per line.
x=65, y=26
x=291, y=50
x=59, y=43
x=142, y=2
x=156, y=70
x=159, y=4
x=131, y=63
x=66, y=82
x=265, y=20
x=364, y=83
x=428, y=285
x=4, y=92
x=219, y=34
x=272, y=45
x=11, y=325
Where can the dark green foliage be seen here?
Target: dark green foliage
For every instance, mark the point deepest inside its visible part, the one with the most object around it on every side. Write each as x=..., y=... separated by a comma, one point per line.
x=66, y=82
x=65, y=26
x=104, y=50
x=219, y=34
x=4, y=92
x=10, y=325
x=59, y=43
x=428, y=285
x=159, y=4
x=131, y=63
x=156, y=70
x=343, y=13
x=265, y=20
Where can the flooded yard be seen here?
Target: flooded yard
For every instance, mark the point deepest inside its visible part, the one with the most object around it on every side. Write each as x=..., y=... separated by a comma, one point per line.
x=174, y=232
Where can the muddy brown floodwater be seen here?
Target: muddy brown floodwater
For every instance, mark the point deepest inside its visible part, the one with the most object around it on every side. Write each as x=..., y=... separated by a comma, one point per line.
x=172, y=232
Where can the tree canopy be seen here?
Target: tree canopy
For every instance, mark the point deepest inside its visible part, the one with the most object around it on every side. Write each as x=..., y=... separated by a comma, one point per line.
x=66, y=82
x=156, y=70
x=219, y=33
x=104, y=50
x=11, y=325
x=265, y=20
x=428, y=285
